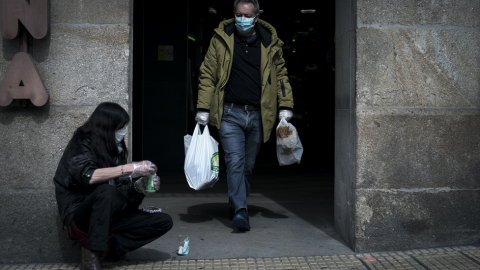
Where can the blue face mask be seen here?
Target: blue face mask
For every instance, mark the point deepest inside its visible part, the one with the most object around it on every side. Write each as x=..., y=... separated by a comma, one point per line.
x=244, y=25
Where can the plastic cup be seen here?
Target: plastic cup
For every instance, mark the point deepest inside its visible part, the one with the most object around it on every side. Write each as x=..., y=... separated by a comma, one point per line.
x=149, y=187
x=184, y=247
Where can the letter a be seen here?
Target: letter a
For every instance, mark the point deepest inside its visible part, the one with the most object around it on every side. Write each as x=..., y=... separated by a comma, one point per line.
x=34, y=17
x=22, y=81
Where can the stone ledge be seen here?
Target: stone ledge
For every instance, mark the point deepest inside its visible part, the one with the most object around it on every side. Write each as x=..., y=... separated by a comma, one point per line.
x=408, y=220
x=31, y=229
x=411, y=12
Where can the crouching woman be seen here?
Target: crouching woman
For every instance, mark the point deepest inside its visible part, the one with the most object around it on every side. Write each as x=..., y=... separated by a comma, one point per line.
x=98, y=193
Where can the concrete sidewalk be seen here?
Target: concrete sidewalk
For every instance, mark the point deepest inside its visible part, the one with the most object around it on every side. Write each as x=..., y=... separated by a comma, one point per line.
x=291, y=214
x=465, y=257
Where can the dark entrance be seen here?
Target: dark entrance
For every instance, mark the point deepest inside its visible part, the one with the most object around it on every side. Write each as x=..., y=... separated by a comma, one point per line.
x=165, y=92
x=164, y=106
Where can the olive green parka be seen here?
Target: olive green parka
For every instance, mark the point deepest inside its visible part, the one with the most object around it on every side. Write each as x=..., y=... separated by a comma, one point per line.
x=215, y=72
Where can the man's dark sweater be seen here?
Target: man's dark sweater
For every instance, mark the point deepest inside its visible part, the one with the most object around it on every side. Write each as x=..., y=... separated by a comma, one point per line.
x=244, y=86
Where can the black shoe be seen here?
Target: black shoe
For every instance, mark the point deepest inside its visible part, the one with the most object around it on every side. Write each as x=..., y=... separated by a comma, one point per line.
x=241, y=220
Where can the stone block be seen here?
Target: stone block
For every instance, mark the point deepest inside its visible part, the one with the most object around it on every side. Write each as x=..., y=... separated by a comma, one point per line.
x=418, y=149
x=91, y=11
x=399, y=220
x=85, y=65
x=31, y=229
x=32, y=141
x=398, y=67
x=80, y=65
x=415, y=12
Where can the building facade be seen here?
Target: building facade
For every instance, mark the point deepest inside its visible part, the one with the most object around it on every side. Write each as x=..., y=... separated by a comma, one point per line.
x=407, y=158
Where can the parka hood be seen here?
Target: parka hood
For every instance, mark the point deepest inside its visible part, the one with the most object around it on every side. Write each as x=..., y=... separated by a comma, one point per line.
x=268, y=34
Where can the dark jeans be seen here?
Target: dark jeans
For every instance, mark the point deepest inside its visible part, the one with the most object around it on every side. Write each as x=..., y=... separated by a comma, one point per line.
x=241, y=134
x=133, y=228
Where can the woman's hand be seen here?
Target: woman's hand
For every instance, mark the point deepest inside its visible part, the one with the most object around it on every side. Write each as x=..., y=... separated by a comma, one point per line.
x=143, y=168
x=134, y=170
x=142, y=182
x=140, y=185
x=156, y=183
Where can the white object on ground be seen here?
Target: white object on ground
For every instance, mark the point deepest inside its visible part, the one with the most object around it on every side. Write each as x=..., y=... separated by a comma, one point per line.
x=184, y=249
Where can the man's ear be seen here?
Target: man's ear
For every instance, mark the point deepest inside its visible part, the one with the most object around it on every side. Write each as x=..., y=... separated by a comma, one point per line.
x=256, y=19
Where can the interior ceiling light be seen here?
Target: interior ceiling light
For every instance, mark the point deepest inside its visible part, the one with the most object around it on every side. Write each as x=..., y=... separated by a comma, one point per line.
x=307, y=11
x=261, y=10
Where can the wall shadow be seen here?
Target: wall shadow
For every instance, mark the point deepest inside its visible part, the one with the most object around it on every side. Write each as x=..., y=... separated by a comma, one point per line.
x=70, y=249
x=9, y=113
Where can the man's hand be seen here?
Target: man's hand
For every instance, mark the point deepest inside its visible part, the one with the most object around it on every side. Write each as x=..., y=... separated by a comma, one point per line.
x=203, y=118
x=287, y=114
x=156, y=183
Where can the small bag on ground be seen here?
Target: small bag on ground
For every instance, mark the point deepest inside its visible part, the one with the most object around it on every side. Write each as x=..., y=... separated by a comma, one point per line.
x=201, y=159
x=289, y=147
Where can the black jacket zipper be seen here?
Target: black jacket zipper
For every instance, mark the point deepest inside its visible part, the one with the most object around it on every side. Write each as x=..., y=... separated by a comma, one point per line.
x=283, y=88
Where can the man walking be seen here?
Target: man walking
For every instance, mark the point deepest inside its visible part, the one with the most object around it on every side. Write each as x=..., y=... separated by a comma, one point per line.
x=242, y=81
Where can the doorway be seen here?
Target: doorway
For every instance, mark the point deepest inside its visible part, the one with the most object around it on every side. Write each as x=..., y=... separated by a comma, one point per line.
x=291, y=207
x=309, y=56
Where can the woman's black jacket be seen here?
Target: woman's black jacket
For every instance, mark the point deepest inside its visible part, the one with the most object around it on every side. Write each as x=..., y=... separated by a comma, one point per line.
x=72, y=180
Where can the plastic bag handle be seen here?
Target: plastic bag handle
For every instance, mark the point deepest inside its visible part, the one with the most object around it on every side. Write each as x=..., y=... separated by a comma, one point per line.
x=198, y=129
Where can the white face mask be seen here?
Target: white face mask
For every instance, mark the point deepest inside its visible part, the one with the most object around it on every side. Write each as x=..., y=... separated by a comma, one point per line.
x=120, y=134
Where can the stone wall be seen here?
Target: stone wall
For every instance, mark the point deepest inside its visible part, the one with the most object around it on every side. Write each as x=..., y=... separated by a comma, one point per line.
x=84, y=60
x=417, y=124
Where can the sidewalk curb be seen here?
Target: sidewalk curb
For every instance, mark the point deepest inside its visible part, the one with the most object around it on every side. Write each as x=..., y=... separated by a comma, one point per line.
x=463, y=257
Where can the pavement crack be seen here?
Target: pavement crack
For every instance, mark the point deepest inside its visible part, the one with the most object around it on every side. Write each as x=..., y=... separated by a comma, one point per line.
x=364, y=263
x=419, y=262
x=472, y=259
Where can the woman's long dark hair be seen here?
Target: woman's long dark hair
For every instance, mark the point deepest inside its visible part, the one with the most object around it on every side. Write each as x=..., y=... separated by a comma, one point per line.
x=100, y=130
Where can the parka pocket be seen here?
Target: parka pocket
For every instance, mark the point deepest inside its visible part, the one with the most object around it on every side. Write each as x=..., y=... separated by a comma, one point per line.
x=283, y=88
x=269, y=80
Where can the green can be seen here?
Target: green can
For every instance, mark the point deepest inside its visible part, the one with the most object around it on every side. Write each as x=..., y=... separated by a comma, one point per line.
x=149, y=187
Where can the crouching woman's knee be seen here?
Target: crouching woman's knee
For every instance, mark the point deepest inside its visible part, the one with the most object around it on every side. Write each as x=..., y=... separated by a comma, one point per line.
x=106, y=191
x=163, y=222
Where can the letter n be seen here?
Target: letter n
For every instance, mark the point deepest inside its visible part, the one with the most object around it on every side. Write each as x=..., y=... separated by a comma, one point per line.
x=33, y=15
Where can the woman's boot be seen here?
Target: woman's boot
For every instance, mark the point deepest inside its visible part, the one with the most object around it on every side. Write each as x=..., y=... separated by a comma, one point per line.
x=90, y=260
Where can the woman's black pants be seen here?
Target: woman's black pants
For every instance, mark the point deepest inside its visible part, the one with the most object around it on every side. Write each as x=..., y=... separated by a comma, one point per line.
x=132, y=228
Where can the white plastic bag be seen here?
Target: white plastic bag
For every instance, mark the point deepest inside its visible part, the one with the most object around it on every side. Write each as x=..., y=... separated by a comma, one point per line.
x=286, y=134
x=201, y=161
x=289, y=146
x=187, y=139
